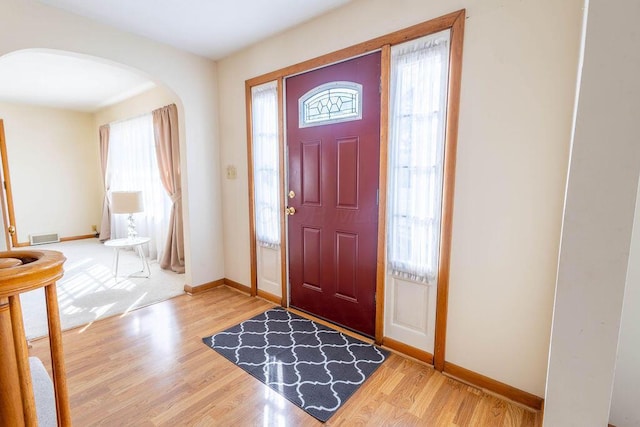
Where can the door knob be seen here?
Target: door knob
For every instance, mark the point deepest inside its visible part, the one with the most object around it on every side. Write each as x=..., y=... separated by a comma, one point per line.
x=290, y=211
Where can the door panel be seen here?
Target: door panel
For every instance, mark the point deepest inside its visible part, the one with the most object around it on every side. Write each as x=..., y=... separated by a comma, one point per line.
x=312, y=258
x=269, y=270
x=347, y=264
x=411, y=312
x=311, y=179
x=333, y=172
x=347, y=180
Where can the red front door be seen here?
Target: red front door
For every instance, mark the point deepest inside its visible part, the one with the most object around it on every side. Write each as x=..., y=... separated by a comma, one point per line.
x=333, y=187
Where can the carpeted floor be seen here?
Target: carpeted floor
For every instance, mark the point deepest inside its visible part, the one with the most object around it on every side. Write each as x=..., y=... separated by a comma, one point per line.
x=313, y=366
x=88, y=291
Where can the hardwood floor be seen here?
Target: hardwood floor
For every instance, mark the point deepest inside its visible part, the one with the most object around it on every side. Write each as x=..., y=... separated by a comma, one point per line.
x=150, y=368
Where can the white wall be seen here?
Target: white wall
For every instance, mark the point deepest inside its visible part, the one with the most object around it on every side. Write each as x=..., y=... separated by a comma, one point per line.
x=54, y=170
x=143, y=103
x=518, y=85
x=26, y=24
x=598, y=218
x=624, y=401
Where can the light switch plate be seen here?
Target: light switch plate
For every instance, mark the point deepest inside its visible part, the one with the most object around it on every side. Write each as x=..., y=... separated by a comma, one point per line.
x=232, y=173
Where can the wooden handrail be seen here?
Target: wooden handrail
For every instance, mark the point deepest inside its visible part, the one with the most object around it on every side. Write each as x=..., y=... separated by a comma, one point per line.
x=22, y=271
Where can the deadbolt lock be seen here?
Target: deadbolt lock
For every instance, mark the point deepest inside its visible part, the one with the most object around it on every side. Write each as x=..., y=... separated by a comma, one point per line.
x=292, y=194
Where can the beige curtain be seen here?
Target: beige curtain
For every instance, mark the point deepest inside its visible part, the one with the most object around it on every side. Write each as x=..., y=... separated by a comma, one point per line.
x=165, y=130
x=105, y=224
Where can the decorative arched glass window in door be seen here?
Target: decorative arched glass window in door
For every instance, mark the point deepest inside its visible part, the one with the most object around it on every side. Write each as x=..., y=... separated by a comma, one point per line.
x=332, y=102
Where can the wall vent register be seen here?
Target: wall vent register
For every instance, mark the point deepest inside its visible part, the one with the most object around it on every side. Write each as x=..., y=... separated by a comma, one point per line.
x=41, y=239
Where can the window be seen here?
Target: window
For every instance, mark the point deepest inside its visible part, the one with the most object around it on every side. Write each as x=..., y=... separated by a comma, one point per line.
x=132, y=165
x=266, y=165
x=418, y=99
x=332, y=102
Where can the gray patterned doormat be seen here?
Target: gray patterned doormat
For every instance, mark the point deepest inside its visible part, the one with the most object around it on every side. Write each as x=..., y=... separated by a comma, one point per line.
x=311, y=365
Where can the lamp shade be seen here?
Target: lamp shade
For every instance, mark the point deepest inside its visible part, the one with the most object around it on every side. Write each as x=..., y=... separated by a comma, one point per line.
x=126, y=202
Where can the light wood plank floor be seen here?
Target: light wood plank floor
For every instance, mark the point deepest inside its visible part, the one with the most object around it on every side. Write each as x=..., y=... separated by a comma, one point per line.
x=150, y=368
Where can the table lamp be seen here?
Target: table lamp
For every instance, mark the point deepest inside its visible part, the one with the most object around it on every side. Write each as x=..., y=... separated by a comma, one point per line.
x=127, y=202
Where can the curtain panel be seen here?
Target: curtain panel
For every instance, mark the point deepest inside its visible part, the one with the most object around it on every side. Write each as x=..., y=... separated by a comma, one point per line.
x=105, y=223
x=419, y=74
x=266, y=164
x=165, y=130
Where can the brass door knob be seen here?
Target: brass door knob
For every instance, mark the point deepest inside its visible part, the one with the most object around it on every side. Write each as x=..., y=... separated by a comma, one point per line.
x=290, y=211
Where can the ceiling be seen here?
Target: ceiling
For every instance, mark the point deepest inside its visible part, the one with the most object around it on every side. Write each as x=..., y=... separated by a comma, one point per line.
x=64, y=81
x=209, y=28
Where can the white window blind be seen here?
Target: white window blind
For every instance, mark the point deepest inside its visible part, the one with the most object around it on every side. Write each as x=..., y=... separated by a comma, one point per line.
x=419, y=74
x=266, y=165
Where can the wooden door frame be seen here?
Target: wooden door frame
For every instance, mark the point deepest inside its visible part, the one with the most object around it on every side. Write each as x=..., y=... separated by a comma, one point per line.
x=453, y=21
x=6, y=198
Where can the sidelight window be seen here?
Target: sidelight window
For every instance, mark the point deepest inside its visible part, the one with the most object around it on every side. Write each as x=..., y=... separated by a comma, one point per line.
x=266, y=165
x=418, y=100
